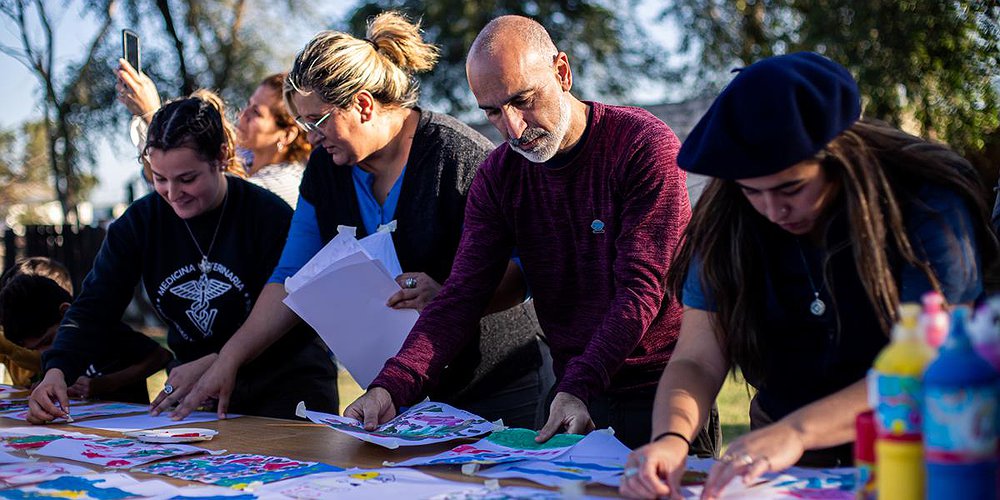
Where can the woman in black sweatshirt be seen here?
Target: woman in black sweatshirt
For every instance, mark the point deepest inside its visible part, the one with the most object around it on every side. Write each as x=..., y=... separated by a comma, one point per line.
x=203, y=245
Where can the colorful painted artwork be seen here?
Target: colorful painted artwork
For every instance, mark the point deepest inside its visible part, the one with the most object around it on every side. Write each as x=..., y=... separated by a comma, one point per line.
x=34, y=472
x=508, y=445
x=30, y=438
x=597, y=458
x=9, y=389
x=90, y=487
x=790, y=484
x=13, y=404
x=211, y=493
x=425, y=423
x=115, y=452
x=85, y=411
x=236, y=470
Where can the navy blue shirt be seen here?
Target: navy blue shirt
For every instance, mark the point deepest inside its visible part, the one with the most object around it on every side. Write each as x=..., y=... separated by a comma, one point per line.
x=808, y=357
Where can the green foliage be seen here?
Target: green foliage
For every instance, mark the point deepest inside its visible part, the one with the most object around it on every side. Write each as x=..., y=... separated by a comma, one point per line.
x=925, y=65
x=608, y=49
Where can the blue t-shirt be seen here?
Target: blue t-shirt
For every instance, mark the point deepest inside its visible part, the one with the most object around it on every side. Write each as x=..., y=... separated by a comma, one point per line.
x=940, y=229
x=304, y=238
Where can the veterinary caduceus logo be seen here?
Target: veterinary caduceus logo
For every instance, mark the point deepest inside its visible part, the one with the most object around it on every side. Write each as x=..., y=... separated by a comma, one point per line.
x=201, y=291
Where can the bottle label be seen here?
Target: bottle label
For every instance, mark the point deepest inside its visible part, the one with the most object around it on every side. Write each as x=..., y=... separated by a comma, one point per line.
x=897, y=405
x=960, y=424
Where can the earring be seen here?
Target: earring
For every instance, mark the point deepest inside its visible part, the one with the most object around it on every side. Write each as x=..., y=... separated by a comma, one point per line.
x=281, y=147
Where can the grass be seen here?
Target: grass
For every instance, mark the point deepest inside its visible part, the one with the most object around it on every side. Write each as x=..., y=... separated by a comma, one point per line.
x=734, y=409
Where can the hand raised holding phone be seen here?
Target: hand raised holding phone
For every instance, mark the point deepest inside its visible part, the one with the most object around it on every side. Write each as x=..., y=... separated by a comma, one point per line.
x=135, y=90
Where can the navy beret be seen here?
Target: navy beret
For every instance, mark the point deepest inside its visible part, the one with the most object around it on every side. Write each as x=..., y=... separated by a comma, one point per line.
x=777, y=112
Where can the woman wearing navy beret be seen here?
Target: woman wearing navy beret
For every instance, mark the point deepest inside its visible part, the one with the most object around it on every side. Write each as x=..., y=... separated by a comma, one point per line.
x=815, y=227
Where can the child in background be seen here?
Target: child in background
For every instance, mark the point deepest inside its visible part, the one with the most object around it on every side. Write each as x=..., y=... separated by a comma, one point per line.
x=34, y=295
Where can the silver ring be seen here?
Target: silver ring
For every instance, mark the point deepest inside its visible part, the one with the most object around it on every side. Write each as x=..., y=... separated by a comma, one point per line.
x=168, y=389
x=746, y=459
x=410, y=282
x=631, y=471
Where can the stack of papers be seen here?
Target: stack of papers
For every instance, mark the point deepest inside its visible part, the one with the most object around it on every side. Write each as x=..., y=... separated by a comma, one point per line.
x=342, y=292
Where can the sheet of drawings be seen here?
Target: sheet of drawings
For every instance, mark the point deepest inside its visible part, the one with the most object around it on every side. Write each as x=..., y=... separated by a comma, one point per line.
x=793, y=483
x=91, y=487
x=236, y=470
x=33, y=472
x=379, y=484
x=115, y=452
x=425, y=423
x=597, y=458
x=30, y=438
x=508, y=445
x=84, y=411
x=146, y=421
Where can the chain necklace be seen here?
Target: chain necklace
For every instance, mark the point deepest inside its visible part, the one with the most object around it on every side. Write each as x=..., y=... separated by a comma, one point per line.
x=817, y=307
x=204, y=266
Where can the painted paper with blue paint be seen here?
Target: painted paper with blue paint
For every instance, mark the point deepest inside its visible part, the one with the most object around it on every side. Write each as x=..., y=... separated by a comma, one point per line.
x=597, y=458
x=93, y=487
x=425, y=423
x=236, y=470
x=34, y=472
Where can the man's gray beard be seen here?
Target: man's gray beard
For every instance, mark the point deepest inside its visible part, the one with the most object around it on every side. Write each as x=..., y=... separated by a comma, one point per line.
x=550, y=141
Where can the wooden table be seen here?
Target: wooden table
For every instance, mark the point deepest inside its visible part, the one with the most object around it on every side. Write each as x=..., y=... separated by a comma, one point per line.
x=307, y=441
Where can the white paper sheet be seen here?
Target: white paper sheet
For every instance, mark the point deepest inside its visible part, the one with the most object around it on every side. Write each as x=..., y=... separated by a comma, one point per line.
x=380, y=484
x=86, y=411
x=33, y=471
x=597, y=458
x=347, y=307
x=147, y=421
x=426, y=423
x=115, y=452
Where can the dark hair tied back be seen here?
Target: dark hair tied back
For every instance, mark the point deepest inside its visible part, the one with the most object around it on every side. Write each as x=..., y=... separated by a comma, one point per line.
x=195, y=122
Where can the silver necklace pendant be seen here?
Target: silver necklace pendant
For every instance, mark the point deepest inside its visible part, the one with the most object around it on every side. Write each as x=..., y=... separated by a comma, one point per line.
x=817, y=307
x=204, y=266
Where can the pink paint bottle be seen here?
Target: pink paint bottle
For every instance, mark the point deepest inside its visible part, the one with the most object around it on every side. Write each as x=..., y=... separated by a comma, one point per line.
x=934, y=319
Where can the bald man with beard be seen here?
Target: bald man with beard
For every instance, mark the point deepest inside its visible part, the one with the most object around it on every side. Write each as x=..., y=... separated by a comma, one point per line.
x=591, y=198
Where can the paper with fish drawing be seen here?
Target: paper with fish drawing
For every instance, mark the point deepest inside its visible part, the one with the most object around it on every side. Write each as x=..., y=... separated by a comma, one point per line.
x=425, y=423
x=115, y=452
x=508, y=445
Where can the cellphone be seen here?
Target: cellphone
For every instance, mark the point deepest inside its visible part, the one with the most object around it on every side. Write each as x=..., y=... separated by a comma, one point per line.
x=130, y=49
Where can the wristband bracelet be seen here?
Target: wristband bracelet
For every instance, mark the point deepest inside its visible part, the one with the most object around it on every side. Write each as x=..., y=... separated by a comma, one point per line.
x=674, y=434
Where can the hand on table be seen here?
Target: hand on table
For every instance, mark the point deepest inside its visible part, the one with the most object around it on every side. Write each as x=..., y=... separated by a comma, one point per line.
x=49, y=400
x=417, y=296
x=373, y=408
x=81, y=388
x=136, y=91
x=568, y=413
x=179, y=383
x=217, y=383
x=655, y=470
x=770, y=449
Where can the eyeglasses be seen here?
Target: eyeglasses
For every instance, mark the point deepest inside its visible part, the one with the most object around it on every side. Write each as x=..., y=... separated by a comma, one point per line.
x=312, y=126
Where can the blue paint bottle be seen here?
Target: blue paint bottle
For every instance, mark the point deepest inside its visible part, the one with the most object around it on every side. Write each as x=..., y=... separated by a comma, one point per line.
x=960, y=405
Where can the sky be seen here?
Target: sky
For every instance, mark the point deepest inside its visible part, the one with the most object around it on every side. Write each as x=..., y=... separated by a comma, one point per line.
x=19, y=99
